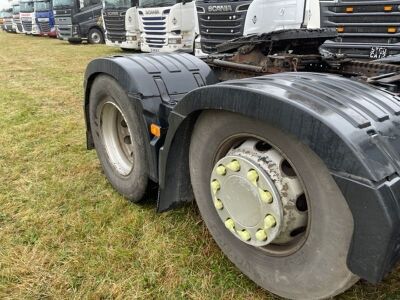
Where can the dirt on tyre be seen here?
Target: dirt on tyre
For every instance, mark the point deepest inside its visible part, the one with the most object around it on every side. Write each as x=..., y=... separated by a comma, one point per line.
x=118, y=138
x=272, y=206
x=95, y=36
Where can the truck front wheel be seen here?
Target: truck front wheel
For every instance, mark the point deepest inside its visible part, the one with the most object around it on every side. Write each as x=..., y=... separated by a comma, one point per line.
x=272, y=206
x=118, y=138
x=95, y=36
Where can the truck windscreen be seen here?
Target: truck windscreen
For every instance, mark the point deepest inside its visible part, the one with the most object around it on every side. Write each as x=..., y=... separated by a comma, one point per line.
x=26, y=7
x=42, y=5
x=118, y=3
x=63, y=3
x=156, y=3
x=15, y=9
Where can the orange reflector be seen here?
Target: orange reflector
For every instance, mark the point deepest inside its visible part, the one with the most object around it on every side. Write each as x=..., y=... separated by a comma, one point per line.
x=155, y=130
x=392, y=29
x=340, y=29
x=349, y=9
x=388, y=8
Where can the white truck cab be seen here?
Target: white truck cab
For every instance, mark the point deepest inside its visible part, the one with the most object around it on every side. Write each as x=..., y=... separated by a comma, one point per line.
x=132, y=29
x=220, y=21
x=27, y=15
x=167, y=25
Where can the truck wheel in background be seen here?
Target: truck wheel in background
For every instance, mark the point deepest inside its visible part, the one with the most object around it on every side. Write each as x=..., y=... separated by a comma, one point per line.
x=272, y=206
x=118, y=138
x=95, y=36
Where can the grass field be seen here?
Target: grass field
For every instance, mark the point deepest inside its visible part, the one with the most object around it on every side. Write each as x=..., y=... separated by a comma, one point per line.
x=64, y=232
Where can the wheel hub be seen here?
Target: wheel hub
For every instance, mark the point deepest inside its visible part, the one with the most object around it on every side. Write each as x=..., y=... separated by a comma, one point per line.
x=117, y=138
x=254, y=198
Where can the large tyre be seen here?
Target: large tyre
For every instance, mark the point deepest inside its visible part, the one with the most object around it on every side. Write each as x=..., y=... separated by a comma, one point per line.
x=307, y=257
x=95, y=36
x=118, y=138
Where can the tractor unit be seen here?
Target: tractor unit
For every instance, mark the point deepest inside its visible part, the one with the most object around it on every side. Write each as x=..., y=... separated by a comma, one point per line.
x=291, y=150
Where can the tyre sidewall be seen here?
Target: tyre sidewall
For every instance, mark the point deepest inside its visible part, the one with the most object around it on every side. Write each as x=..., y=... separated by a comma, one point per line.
x=106, y=89
x=321, y=262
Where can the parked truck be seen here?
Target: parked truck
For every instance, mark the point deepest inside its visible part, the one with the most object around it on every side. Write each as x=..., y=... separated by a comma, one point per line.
x=116, y=19
x=45, y=18
x=78, y=20
x=6, y=17
x=16, y=20
x=27, y=15
x=292, y=156
x=366, y=29
x=167, y=26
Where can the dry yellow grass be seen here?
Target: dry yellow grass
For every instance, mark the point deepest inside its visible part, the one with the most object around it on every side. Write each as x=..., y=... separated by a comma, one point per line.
x=64, y=232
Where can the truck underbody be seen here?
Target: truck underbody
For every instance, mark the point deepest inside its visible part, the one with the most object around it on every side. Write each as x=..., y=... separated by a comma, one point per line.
x=345, y=112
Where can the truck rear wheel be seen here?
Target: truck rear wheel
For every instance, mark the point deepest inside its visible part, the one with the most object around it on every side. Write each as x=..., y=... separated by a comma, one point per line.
x=95, y=36
x=272, y=206
x=118, y=138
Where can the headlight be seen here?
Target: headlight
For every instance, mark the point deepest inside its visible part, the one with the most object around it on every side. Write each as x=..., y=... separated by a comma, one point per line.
x=131, y=38
x=197, y=45
x=175, y=41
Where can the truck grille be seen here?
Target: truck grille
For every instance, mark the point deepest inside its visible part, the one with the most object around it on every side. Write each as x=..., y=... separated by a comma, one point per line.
x=27, y=26
x=115, y=26
x=364, y=24
x=221, y=26
x=154, y=31
x=44, y=27
x=64, y=31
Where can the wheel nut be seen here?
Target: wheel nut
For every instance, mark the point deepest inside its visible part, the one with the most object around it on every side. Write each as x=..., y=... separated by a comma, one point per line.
x=221, y=170
x=218, y=204
x=269, y=222
x=261, y=235
x=252, y=175
x=215, y=186
x=265, y=196
x=230, y=224
x=234, y=166
x=244, y=235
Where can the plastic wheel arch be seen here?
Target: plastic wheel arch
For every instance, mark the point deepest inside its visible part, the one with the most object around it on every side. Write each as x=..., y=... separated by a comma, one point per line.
x=352, y=127
x=349, y=130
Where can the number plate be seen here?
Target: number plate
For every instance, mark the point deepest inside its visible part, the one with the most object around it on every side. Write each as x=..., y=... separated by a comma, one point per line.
x=154, y=50
x=378, y=52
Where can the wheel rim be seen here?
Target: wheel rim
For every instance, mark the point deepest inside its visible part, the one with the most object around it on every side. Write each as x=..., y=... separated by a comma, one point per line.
x=117, y=138
x=259, y=197
x=95, y=37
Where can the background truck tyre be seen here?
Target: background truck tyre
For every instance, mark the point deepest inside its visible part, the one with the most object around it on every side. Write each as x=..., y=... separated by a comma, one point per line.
x=118, y=138
x=95, y=36
x=291, y=230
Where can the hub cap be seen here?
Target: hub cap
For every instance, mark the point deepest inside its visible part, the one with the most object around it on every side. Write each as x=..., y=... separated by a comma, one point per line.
x=117, y=138
x=95, y=37
x=258, y=196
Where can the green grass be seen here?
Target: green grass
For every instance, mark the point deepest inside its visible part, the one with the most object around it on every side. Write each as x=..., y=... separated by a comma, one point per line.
x=64, y=232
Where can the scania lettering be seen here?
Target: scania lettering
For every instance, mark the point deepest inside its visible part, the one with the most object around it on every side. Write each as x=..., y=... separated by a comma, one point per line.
x=115, y=25
x=45, y=18
x=167, y=25
x=78, y=20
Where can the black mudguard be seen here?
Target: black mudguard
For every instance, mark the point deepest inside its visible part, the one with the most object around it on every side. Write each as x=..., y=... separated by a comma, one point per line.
x=154, y=83
x=353, y=127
